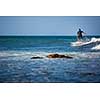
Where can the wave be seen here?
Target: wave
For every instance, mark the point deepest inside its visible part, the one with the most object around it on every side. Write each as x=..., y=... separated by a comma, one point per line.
x=82, y=43
x=93, y=40
x=97, y=47
x=28, y=54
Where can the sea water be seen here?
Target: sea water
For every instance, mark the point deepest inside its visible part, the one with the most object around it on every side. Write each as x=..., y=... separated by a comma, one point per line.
x=16, y=64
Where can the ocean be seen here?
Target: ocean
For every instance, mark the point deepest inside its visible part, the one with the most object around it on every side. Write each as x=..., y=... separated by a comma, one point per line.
x=16, y=65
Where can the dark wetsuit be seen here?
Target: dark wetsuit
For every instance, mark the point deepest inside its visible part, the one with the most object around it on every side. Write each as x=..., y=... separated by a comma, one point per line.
x=79, y=35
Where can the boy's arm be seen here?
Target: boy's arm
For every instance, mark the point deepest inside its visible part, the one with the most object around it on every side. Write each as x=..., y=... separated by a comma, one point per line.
x=83, y=32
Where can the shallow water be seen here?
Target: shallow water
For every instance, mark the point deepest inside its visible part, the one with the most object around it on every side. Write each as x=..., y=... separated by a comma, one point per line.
x=16, y=64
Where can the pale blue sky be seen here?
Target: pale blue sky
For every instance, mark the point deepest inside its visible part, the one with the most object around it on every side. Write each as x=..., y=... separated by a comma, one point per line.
x=50, y=25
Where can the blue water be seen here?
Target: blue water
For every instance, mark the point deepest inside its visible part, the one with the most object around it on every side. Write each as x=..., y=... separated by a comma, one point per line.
x=16, y=64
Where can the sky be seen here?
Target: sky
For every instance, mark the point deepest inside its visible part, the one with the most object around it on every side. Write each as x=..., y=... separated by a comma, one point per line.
x=49, y=25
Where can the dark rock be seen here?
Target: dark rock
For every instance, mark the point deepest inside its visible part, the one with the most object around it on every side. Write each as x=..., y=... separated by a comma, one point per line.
x=53, y=56
x=58, y=56
x=37, y=58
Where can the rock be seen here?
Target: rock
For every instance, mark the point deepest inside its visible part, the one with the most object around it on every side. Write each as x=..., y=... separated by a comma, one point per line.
x=58, y=56
x=53, y=56
x=37, y=57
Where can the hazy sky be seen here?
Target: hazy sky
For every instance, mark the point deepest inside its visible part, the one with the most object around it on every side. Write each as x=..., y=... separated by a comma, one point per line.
x=49, y=25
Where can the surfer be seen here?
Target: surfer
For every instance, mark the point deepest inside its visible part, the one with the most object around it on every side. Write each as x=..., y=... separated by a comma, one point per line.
x=79, y=35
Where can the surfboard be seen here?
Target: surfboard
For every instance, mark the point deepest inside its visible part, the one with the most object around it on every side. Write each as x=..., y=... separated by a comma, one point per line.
x=80, y=43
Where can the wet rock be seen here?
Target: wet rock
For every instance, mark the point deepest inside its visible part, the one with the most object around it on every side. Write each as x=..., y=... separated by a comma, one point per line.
x=58, y=56
x=53, y=56
x=37, y=57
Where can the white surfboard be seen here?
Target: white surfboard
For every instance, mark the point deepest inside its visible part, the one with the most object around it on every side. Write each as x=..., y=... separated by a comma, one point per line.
x=80, y=43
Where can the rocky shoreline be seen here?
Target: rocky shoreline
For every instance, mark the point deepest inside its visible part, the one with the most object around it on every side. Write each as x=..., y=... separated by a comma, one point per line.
x=53, y=56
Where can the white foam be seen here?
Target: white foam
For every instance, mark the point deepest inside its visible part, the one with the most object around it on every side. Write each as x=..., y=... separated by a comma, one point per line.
x=96, y=47
x=95, y=40
x=26, y=55
x=81, y=43
x=22, y=53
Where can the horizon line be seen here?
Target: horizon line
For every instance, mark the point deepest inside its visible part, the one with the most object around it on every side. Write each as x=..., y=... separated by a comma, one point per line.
x=48, y=35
